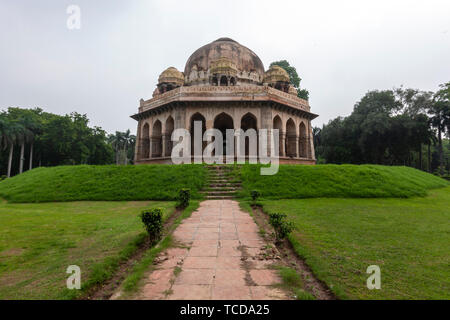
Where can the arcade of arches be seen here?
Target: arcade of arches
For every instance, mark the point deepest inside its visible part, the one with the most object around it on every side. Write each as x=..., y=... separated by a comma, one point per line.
x=294, y=141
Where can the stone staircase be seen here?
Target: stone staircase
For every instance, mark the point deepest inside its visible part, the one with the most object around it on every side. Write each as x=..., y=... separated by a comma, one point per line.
x=221, y=184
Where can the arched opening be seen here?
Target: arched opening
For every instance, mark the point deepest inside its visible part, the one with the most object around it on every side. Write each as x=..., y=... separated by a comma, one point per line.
x=223, y=122
x=145, y=142
x=249, y=121
x=223, y=81
x=157, y=139
x=291, y=137
x=232, y=81
x=170, y=124
x=197, y=117
x=214, y=81
x=303, y=141
x=277, y=124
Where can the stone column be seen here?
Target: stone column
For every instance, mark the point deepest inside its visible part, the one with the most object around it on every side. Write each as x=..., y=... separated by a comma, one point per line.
x=297, y=155
x=138, y=148
x=282, y=144
x=150, y=152
x=163, y=151
x=312, y=154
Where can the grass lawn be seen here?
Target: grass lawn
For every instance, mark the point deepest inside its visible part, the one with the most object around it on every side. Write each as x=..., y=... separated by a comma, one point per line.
x=337, y=181
x=104, y=183
x=408, y=238
x=39, y=241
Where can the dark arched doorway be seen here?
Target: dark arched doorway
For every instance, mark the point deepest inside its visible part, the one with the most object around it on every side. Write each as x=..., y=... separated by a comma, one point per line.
x=197, y=117
x=223, y=122
x=157, y=139
x=145, y=142
x=303, y=141
x=168, y=136
x=291, y=137
x=249, y=121
x=277, y=124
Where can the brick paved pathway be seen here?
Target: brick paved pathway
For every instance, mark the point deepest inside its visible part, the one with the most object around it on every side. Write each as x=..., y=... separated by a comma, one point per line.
x=221, y=261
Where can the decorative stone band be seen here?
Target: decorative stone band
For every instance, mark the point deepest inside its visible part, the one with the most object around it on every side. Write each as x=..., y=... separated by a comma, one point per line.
x=232, y=93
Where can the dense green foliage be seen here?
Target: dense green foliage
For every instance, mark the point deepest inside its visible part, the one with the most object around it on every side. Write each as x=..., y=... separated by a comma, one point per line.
x=409, y=239
x=72, y=183
x=293, y=76
x=39, y=241
x=184, y=197
x=46, y=139
x=32, y=137
x=255, y=194
x=392, y=127
x=152, y=220
x=280, y=224
x=124, y=146
x=344, y=181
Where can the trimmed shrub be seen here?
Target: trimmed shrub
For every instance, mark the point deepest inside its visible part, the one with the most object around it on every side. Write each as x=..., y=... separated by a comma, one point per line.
x=281, y=226
x=152, y=220
x=255, y=194
x=184, y=196
x=2, y=177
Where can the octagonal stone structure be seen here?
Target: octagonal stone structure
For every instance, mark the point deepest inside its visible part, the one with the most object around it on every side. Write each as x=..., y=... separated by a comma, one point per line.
x=225, y=87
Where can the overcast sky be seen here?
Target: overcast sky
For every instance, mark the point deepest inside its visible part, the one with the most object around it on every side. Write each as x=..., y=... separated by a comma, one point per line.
x=341, y=49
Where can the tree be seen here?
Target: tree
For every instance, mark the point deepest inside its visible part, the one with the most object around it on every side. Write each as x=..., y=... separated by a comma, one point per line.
x=10, y=136
x=116, y=141
x=52, y=139
x=385, y=127
x=443, y=96
x=25, y=135
x=293, y=77
x=123, y=144
x=439, y=112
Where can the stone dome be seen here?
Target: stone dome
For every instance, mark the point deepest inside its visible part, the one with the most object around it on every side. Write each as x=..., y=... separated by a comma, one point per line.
x=227, y=53
x=171, y=75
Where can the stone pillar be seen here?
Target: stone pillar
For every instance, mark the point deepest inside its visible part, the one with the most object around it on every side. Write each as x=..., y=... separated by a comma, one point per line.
x=297, y=154
x=150, y=152
x=312, y=154
x=138, y=147
x=163, y=151
x=282, y=142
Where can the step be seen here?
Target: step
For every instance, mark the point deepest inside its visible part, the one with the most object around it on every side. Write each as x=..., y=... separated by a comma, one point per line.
x=218, y=197
x=224, y=184
x=218, y=179
x=221, y=189
x=219, y=193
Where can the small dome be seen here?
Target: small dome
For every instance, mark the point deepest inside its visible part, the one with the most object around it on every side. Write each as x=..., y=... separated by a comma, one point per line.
x=276, y=74
x=223, y=65
x=292, y=90
x=171, y=75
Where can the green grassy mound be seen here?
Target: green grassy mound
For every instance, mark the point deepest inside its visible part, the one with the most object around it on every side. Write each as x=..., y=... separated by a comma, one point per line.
x=337, y=181
x=162, y=182
x=106, y=183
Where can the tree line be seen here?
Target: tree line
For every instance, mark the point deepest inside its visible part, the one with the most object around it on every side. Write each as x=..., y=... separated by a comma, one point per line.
x=391, y=127
x=32, y=137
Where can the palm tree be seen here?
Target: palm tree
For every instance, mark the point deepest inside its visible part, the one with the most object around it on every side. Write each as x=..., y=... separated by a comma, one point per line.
x=10, y=136
x=126, y=140
x=116, y=141
x=438, y=117
x=25, y=135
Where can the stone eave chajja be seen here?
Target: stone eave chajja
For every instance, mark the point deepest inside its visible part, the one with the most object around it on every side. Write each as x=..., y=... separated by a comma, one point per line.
x=216, y=94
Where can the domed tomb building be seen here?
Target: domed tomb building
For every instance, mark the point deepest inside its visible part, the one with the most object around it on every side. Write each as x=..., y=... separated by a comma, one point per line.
x=224, y=85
